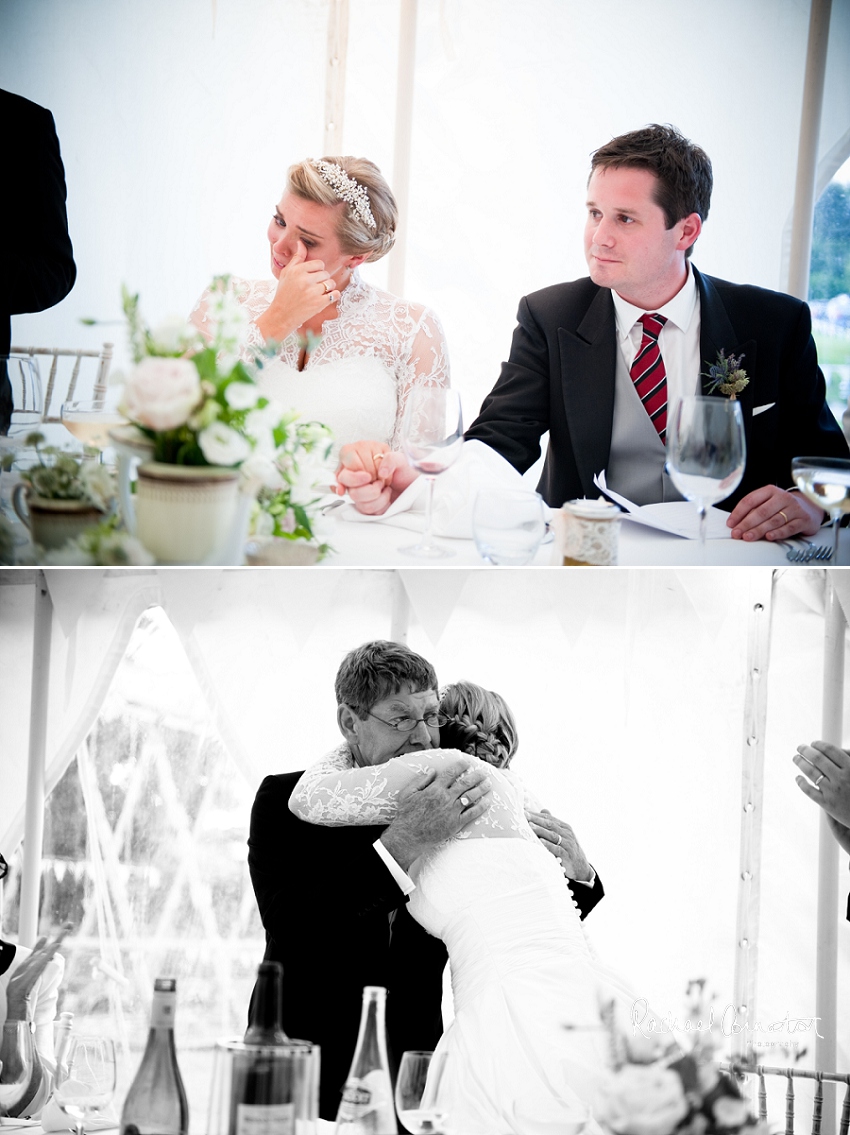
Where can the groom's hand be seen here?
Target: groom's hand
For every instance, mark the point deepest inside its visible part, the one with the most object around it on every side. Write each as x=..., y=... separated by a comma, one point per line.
x=433, y=807
x=559, y=839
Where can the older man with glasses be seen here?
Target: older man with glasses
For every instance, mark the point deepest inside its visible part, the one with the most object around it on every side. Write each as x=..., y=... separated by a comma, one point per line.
x=333, y=900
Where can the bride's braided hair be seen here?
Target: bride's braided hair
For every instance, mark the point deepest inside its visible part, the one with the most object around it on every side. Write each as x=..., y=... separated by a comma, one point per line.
x=478, y=722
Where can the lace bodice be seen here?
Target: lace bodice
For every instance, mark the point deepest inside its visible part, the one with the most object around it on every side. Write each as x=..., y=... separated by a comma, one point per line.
x=397, y=345
x=334, y=794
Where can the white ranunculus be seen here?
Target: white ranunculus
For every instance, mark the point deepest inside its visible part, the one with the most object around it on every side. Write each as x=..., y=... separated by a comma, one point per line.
x=161, y=393
x=222, y=445
x=641, y=1099
x=241, y=395
x=173, y=336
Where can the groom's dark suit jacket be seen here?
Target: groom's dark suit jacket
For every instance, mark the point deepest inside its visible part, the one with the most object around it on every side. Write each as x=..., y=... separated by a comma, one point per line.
x=326, y=901
x=560, y=378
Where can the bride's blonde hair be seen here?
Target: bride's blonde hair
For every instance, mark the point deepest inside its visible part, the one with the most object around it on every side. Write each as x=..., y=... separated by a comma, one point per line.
x=355, y=235
x=478, y=722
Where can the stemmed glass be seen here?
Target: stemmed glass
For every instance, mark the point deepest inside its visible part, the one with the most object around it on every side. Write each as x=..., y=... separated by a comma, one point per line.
x=825, y=481
x=508, y=525
x=90, y=422
x=90, y=1082
x=706, y=451
x=416, y=1093
x=16, y=1068
x=432, y=437
x=27, y=394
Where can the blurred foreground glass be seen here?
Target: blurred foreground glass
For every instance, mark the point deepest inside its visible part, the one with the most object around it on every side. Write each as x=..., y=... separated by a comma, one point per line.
x=432, y=438
x=281, y=1081
x=825, y=481
x=89, y=1084
x=508, y=525
x=417, y=1093
x=706, y=451
x=27, y=394
x=16, y=1068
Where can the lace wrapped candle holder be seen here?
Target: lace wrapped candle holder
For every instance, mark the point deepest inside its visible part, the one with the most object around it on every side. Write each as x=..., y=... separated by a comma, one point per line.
x=587, y=533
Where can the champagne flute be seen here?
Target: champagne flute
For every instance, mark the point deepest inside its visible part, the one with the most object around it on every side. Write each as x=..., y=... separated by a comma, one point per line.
x=416, y=1093
x=706, y=451
x=15, y=1066
x=432, y=437
x=825, y=481
x=508, y=525
x=90, y=1081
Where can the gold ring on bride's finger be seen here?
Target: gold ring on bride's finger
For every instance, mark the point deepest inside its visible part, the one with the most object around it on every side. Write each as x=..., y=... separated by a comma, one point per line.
x=328, y=290
x=782, y=514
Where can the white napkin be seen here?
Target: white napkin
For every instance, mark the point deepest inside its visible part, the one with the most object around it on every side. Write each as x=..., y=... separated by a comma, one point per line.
x=676, y=517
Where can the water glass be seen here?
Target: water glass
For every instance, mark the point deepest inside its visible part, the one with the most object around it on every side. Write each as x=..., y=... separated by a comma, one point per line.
x=508, y=525
x=417, y=1092
x=90, y=1083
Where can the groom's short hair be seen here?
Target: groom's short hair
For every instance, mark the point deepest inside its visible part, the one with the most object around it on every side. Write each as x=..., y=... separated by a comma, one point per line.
x=378, y=669
x=682, y=168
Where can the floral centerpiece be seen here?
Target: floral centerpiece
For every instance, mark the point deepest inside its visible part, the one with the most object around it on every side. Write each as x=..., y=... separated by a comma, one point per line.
x=197, y=403
x=654, y=1087
x=63, y=476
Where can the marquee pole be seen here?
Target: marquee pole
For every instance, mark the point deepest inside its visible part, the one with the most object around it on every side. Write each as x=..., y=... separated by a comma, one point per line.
x=403, y=136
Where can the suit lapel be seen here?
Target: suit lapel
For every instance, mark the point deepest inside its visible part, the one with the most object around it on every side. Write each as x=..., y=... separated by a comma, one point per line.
x=588, y=361
x=716, y=334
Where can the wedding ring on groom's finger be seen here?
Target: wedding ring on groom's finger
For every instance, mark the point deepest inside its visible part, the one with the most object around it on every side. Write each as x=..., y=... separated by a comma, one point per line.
x=819, y=779
x=464, y=801
x=559, y=839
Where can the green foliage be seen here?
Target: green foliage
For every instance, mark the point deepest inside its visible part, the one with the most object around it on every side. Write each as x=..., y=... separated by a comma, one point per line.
x=830, y=263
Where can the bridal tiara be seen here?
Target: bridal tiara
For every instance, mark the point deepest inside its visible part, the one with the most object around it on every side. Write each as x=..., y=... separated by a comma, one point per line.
x=347, y=189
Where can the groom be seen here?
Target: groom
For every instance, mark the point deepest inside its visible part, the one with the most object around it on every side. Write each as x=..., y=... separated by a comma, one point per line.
x=597, y=362
x=333, y=900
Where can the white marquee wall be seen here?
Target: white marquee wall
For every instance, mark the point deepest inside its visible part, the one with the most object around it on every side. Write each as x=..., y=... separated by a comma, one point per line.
x=178, y=118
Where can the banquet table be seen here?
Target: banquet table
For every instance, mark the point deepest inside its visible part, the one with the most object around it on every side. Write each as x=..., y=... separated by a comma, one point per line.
x=377, y=545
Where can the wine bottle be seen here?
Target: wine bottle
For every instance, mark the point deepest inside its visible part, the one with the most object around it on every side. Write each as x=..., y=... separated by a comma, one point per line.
x=262, y=1099
x=156, y=1102
x=367, y=1098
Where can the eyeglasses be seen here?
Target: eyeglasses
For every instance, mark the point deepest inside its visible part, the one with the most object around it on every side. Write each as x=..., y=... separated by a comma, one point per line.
x=432, y=719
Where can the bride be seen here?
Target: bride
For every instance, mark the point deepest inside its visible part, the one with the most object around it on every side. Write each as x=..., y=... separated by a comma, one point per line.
x=525, y=1051
x=347, y=353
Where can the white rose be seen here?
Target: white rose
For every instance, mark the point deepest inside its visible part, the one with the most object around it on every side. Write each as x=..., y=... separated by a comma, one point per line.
x=641, y=1099
x=161, y=393
x=241, y=395
x=222, y=445
x=173, y=336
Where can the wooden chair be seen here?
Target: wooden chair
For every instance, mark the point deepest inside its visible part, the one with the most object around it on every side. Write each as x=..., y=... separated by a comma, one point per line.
x=58, y=390
x=741, y=1071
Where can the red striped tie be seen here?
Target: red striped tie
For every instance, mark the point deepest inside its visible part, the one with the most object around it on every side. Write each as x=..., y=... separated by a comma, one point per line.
x=648, y=373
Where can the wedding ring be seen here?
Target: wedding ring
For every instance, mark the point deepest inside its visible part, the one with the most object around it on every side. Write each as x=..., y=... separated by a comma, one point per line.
x=328, y=290
x=820, y=778
x=782, y=513
x=559, y=839
x=464, y=801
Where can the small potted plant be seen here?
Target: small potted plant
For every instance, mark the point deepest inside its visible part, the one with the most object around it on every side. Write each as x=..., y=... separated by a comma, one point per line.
x=62, y=495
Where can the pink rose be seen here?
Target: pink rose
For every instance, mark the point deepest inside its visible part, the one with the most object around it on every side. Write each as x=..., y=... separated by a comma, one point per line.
x=641, y=1099
x=161, y=393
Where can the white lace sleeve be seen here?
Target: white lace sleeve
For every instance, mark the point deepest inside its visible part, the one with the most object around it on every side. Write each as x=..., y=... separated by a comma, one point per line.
x=426, y=363
x=252, y=297
x=337, y=797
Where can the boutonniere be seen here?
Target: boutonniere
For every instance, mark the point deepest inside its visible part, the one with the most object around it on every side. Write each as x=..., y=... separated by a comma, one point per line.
x=727, y=375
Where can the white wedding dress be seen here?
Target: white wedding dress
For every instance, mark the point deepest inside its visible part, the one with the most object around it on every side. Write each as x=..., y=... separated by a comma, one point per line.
x=525, y=1051
x=357, y=379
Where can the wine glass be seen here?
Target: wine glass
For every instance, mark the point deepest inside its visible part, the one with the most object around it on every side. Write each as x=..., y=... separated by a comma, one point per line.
x=416, y=1093
x=432, y=437
x=508, y=525
x=90, y=1081
x=825, y=481
x=706, y=451
x=27, y=396
x=16, y=1067
x=90, y=422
